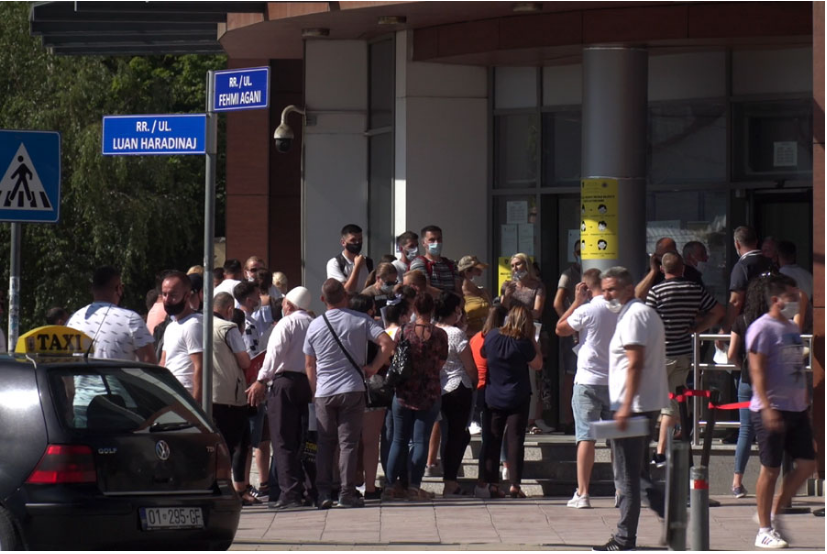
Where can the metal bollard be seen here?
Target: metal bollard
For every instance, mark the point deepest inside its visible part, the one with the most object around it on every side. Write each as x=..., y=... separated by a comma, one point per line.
x=677, y=475
x=700, y=508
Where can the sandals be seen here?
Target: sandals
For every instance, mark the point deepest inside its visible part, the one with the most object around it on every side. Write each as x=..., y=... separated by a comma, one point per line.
x=534, y=430
x=495, y=491
x=516, y=492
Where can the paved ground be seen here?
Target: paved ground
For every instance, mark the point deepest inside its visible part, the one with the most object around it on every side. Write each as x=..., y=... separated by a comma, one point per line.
x=472, y=524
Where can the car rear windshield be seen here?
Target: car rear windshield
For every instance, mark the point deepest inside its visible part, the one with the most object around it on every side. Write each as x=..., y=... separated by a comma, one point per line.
x=124, y=399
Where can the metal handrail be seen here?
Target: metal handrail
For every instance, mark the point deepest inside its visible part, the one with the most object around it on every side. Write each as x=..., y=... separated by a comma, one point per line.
x=698, y=369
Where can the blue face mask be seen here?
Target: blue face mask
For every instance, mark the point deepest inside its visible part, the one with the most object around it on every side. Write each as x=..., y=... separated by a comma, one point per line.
x=435, y=248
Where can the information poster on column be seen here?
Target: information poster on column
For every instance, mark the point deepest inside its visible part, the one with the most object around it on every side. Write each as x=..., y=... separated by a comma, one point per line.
x=598, y=219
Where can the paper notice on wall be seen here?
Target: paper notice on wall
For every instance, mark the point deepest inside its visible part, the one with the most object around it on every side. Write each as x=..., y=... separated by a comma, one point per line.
x=516, y=212
x=598, y=223
x=785, y=154
x=526, y=239
x=574, y=238
x=509, y=244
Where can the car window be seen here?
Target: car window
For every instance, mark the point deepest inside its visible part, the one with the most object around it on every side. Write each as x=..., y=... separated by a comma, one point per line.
x=124, y=399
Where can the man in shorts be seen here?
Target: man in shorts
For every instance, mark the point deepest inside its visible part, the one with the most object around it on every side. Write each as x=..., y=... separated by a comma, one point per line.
x=589, y=316
x=779, y=406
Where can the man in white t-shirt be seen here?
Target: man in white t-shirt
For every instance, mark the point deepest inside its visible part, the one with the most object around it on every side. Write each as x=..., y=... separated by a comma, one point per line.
x=183, y=352
x=637, y=388
x=408, y=246
x=350, y=267
x=232, y=277
x=117, y=333
x=589, y=316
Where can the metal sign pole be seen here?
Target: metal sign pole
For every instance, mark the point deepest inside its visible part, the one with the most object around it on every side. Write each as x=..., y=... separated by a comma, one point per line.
x=209, y=246
x=14, y=286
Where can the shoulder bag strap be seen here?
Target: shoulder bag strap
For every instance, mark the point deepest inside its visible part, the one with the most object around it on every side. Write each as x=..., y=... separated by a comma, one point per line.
x=347, y=354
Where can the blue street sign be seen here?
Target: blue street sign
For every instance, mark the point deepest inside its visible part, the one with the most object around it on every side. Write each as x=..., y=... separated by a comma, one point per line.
x=30, y=166
x=154, y=135
x=241, y=89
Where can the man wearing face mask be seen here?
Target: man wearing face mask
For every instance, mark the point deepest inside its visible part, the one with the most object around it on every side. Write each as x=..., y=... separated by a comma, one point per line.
x=408, y=245
x=637, y=388
x=383, y=289
x=695, y=256
x=183, y=341
x=440, y=272
x=350, y=267
x=685, y=308
x=779, y=406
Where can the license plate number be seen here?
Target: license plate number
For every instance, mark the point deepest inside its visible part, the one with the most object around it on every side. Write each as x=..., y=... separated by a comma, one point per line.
x=171, y=518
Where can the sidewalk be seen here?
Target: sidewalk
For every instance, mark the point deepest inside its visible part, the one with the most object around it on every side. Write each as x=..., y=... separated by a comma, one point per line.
x=507, y=524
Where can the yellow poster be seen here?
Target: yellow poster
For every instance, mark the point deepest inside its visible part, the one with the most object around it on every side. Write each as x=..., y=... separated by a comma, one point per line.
x=598, y=219
x=504, y=272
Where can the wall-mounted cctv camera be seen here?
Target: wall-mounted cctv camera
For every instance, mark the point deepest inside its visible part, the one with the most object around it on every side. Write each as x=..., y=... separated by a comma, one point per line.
x=284, y=134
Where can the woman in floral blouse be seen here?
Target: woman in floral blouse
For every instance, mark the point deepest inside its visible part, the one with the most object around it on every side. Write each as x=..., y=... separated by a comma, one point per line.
x=416, y=403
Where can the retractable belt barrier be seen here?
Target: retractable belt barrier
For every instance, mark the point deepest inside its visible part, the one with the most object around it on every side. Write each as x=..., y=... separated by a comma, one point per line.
x=706, y=394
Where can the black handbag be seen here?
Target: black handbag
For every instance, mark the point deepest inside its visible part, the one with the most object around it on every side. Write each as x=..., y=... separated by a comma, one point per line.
x=401, y=364
x=377, y=393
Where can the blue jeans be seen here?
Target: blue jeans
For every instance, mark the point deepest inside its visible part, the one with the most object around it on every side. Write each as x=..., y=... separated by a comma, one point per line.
x=410, y=426
x=746, y=434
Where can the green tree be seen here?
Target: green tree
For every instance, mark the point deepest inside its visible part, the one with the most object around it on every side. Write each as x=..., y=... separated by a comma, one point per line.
x=141, y=214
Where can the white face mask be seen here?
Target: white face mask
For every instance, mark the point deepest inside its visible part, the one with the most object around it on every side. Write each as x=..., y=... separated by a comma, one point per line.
x=519, y=275
x=790, y=310
x=411, y=253
x=614, y=305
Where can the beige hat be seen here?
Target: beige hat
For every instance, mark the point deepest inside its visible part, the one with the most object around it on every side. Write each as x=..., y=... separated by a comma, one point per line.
x=467, y=262
x=299, y=297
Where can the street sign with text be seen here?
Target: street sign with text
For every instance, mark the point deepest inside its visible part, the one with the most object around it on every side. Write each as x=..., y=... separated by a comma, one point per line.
x=154, y=135
x=241, y=89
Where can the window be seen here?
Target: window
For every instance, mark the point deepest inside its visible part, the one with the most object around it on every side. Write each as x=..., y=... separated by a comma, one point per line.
x=561, y=148
x=773, y=140
x=381, y=83
x=517, y=142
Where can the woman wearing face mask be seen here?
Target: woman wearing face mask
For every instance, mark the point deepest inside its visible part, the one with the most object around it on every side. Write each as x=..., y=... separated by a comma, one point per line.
x=382, y=288
x=459, y=379
x=526, y=288
x=477, y=299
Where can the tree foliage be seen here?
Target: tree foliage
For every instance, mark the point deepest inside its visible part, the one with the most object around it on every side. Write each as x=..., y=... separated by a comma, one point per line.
x=141, y=214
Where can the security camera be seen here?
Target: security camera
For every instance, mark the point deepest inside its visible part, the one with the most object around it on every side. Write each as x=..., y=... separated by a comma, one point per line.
x=284, y=134
x=284, y=138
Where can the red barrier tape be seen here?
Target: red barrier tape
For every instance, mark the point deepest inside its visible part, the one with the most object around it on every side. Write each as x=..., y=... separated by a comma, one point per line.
x=706, y=394
x=700, y=485
x=736, y=406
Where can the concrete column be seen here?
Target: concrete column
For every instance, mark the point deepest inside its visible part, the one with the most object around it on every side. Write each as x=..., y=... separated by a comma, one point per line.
x=615, y=88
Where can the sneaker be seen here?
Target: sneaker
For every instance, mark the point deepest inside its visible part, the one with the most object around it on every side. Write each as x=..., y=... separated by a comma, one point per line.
x=739, y=491
x=433, y=471
x=350, y=502
x=474, y=428
x=579, y=502
x=325, y=503
x=658, y=460
x=263, y=491
x=770, y=539
x=613, y=546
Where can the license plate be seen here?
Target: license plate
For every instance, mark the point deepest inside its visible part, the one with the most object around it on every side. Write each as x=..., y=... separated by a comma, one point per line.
x=171, y=518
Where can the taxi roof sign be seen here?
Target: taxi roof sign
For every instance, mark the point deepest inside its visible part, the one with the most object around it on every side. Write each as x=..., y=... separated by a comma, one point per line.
x=53, y=340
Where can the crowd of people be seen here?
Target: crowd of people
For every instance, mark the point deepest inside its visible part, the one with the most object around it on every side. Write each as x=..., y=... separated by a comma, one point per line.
x=294, y=382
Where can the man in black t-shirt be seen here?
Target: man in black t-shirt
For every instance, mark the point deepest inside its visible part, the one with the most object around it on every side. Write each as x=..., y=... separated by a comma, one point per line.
x=751, y=264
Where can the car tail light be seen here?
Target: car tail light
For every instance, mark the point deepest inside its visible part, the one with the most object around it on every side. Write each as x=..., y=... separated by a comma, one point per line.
x=223, y=463
x=64, y=464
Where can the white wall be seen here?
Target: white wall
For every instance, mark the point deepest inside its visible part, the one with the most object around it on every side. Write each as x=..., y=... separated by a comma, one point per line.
x=335, y=189
x=442, y=151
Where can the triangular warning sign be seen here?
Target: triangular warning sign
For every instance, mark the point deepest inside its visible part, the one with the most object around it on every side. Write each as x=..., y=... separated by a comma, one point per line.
x=21, y=188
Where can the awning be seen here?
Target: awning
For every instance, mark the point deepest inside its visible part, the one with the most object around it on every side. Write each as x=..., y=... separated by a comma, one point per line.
x=134, y=28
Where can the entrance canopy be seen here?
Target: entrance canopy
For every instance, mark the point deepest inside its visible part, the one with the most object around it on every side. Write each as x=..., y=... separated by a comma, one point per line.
x=134, y=28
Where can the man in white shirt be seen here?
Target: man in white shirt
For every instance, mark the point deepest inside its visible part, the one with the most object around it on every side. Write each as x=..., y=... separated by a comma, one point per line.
x=589, y=316
x=117, y=333
x=350, y=267
x=183, y=352
x=408, y=245
x=637, y=388
x=232, y=277
x=290, y=395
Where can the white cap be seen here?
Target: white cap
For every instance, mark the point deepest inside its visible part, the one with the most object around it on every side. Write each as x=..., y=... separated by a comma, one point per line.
x=299, y=297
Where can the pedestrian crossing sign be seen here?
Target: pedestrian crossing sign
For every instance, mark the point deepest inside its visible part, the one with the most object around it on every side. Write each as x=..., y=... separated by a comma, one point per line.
x=30, y=182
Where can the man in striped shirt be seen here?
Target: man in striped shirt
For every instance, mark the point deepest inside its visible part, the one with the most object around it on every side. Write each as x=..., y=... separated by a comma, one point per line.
x=685, y=308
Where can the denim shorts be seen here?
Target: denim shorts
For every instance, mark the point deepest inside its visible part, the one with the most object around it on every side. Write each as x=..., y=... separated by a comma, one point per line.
x=589, y=403
x=259, y=426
